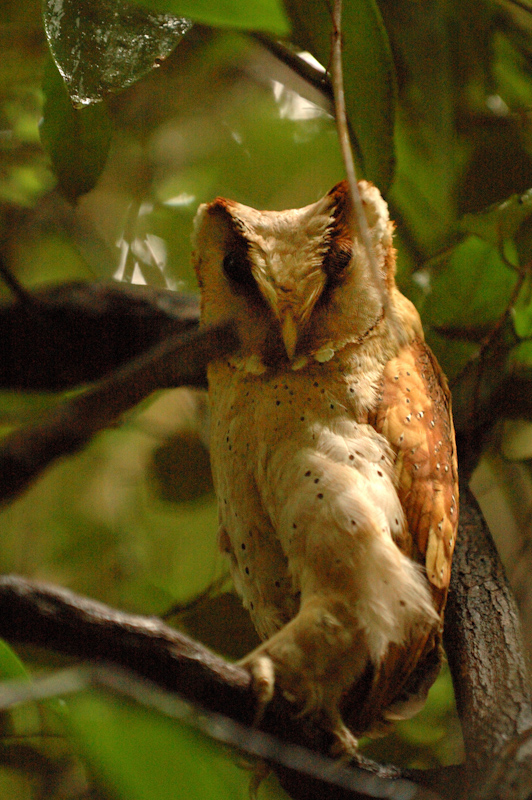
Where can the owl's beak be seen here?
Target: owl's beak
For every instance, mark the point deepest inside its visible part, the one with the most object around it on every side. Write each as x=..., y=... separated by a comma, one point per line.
x=289, y=333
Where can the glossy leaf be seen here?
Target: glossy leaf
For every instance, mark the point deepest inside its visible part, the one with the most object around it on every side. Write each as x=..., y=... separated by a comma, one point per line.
x=262, y=15
x=369, y=76
x=77, y=139
x=103, y=46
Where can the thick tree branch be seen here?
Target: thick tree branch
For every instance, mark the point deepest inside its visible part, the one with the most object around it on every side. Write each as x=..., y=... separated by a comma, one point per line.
x=482, y=639
x=38, y=614
x=176, y=361
x=76, y=333
x=487, y=659
x=47, y=616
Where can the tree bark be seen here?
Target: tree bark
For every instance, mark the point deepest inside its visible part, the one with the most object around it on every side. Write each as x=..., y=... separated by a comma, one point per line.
x=486, y=654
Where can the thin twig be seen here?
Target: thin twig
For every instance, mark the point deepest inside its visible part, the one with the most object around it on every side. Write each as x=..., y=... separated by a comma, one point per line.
x=217, y=726
x=16, y=287
x=316, y=78
x=350, y=169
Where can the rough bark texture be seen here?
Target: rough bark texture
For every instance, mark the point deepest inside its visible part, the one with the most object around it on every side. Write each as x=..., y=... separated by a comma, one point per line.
x=47, y=616
x=488, y=664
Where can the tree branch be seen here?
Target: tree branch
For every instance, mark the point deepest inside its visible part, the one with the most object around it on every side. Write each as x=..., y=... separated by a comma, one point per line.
x=482, y=640
x=76, y=333
x=176, y=361
x=46, y=616
x=486, y=654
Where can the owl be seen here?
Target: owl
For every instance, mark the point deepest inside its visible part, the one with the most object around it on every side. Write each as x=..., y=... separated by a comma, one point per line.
x=333, y=458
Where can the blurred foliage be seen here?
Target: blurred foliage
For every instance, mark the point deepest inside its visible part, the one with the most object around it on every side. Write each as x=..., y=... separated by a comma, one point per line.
x=440, y=104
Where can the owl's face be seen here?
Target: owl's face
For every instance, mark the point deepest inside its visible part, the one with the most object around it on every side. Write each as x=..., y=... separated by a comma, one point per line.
x=294, y=281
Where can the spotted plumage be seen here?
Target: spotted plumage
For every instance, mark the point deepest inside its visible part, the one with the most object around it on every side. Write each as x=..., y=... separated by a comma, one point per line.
x=333, y=457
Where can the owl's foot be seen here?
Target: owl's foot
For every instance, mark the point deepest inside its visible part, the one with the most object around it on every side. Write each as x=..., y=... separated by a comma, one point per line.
x=313, y=660
x=345, y=745
x=263, y=677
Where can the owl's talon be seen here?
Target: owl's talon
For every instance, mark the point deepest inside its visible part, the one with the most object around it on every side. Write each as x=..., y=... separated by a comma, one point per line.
x=263, y=682
x=312, y=703
x=345, y=745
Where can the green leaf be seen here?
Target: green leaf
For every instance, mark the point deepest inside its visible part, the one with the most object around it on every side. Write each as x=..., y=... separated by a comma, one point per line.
x=522, y=310
x=521, y=356
x=26, y=717
x=77, y=139
x=140, y=754
x=472, y=287
x=499, y=222
x=11, y=667
x=103, y=46
x=369, y=76
x=253, y=15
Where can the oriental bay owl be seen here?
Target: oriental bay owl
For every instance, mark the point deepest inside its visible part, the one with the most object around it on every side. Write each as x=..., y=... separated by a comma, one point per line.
x=333, y=456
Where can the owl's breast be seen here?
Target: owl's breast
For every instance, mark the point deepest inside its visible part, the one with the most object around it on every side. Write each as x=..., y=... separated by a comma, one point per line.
x=252, y=413
x=253, y=416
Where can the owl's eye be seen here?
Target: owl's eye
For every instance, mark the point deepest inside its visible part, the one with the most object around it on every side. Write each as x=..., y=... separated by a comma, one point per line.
x=237, y=269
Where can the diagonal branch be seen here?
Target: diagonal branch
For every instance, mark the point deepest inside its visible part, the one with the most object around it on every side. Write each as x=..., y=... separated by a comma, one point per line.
x=75, y=333
x=176, y=361
x=482, y=639
x=38, y=614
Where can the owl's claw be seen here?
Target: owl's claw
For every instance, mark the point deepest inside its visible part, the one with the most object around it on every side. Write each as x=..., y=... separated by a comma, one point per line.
x=312, y=661
x=262, y=669
x=345, y=745
x=263, y=680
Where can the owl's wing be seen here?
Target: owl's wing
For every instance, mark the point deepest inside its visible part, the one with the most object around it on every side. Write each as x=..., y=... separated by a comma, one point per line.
x=414, y=413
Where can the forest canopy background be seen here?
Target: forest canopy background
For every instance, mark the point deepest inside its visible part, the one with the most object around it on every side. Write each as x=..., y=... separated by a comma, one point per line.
x=103, y=162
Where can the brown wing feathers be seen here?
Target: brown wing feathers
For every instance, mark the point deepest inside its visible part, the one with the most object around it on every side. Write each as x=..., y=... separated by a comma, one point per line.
x=414, y=414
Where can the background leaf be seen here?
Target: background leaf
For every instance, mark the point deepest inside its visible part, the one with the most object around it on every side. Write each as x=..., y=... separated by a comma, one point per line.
x=77, y=139
x=263, y=15
x=140, y=754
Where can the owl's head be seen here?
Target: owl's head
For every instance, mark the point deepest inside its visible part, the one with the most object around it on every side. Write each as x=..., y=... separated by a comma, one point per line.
x=293, y=280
